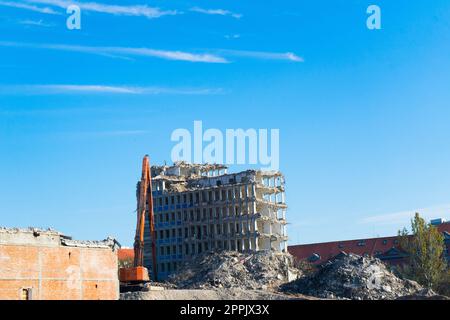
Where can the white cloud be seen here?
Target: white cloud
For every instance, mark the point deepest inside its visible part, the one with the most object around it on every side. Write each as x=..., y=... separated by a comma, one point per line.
x=170, y=55
x=114, y=51
x=101, y=134
x=132, y=10
x=213, y=56
x=118, y=10
x=221, y=12
x=232, y=36
x=263, y=55
x=403, y=217
x=69, y=88
x=25, y=6
x=113, y=133
x=51, y=89
x=39, y=23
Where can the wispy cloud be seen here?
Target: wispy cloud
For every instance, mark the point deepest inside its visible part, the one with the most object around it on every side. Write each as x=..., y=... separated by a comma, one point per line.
x=114, y=51
x=38, y=23
x=119, y=10
x=208, y=56
x=53, y=89
x=221, y=12
x=232, y=36
x=100, y=134
x=170, y=55
x=404, y=217
x=30, y=7
x=290, y=56
x=112, y=133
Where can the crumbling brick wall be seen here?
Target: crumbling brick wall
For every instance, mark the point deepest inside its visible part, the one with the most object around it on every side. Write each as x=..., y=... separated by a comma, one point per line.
x=48, y=270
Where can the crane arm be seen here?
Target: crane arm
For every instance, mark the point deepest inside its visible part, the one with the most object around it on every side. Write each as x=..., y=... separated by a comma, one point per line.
x=144, y=205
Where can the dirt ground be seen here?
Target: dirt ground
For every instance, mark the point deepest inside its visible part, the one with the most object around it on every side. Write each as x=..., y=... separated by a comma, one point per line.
x=210, y=294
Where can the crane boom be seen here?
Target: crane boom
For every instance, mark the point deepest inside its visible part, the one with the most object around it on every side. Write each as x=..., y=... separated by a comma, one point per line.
x=145, y=204
x=144, y=208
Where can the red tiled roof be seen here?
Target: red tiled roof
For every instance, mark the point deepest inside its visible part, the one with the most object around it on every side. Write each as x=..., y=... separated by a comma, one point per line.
x=126, y=253
x=329, y=250
x=444, y=227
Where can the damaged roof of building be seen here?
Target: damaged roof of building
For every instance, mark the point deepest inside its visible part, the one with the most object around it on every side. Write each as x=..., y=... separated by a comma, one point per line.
x=183, y=176
x=27, y=235
x=199, y=167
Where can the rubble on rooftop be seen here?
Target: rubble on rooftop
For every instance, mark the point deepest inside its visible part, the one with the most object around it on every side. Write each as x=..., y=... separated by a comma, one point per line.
x=32, y=236
x=30, y=230
x=109, y=242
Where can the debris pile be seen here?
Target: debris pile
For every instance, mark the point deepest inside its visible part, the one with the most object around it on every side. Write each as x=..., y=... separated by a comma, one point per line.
x=109, y=242
x=424, y=294
x=231, y=269
x=350, y=276
x=33, y=230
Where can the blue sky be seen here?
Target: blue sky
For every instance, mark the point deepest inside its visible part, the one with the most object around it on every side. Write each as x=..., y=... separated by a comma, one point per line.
x=363, y=114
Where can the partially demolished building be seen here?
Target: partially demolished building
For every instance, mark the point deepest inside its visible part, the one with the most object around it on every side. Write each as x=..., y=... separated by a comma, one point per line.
x=40, y=264
x=201, y=207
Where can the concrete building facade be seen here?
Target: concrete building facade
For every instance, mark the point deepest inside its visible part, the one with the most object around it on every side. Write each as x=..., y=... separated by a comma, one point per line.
x=46, y=265
x=201, y=207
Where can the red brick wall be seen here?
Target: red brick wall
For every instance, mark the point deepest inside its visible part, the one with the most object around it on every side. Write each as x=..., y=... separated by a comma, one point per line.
x=58, y=273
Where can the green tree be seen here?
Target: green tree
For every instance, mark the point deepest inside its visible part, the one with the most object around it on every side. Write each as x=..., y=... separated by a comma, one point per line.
x=443, y=286
x=425, y=247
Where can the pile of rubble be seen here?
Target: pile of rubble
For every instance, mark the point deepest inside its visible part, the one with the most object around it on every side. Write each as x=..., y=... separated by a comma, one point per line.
x=424, y=294
x=349, y=276
x=33, y=230
x=109, y=242
x=231, y=269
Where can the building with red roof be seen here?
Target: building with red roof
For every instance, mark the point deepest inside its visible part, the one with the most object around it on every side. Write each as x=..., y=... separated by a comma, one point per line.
x=125, y=254
x=384, y=248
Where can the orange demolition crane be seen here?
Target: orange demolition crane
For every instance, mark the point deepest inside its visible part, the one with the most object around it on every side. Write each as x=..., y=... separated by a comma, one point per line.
x=138, y=273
